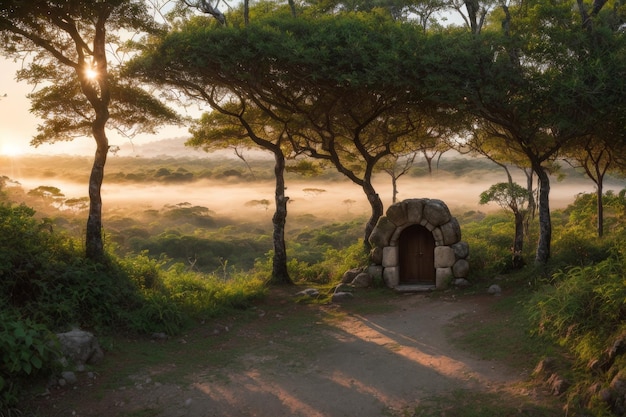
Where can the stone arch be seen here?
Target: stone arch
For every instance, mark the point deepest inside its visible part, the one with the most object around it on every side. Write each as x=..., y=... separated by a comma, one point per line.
x=449, y=257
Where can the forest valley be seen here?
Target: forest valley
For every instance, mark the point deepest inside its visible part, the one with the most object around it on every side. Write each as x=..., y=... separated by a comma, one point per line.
x=352, y=90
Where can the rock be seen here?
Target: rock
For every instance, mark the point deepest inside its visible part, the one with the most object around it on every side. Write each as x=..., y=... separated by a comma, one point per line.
x=396, y=213
x=495, y=290
x=444, y=257
x=461, y=283
x=436, y=212
x=80, y=347
x=382, y=232
x=414, y=209
x=376, y=255
x=363, y=280
x=160, y=336
x=451, y=232
x=460, y=269
x=342, y=296
x=309, y=292
x=69, y=377
x=349, y=275
x=461, y=250
x=376, y=272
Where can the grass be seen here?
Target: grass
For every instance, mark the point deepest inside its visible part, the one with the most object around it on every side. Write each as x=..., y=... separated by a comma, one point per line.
x=502, y=334
x=464, y=403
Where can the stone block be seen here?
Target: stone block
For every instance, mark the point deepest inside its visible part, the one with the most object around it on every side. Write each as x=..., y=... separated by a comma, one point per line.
x=451, y=232
x=376, y=255
x=443, y=276
x=436, y=212
x=382, y=232
x=461, y=268
x=461, y=250
x=390, y=256
x=376, y=272
x=414, y=209
x=391, y=277
x=444, y=257
x=438, y=235
x=396, y=214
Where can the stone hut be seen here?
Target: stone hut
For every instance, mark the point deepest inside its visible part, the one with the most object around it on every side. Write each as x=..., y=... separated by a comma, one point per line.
x=417, y=246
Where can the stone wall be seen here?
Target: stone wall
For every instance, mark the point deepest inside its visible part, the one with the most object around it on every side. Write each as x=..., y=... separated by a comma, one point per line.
x=450, y=255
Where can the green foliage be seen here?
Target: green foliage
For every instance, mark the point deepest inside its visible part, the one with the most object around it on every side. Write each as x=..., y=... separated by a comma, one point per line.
x=27, y=349
x=585, y=306
x=489, y=240
x=327, y=270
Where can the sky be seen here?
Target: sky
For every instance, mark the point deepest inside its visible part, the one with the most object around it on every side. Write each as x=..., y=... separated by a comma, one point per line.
x=18, y=125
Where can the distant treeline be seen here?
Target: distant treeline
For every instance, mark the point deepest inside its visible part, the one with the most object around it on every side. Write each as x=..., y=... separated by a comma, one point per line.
x=188, y=169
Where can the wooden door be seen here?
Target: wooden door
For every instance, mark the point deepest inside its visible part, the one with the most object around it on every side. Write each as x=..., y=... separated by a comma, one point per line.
x=416, y=251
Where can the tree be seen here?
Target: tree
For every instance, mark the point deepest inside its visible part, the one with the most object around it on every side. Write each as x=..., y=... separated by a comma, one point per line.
x=337, y=84
x=397, y=165
x=549, y=101
x=233, y=122
x=514, y=197
x=64, y=44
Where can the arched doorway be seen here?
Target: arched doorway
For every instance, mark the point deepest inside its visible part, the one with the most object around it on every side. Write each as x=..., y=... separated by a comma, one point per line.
x=416, y=256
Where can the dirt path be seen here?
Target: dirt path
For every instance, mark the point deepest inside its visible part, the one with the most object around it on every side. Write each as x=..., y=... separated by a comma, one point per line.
x=313, y=361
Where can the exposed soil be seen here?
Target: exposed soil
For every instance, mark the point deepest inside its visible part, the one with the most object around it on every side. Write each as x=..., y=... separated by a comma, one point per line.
x=369, y=357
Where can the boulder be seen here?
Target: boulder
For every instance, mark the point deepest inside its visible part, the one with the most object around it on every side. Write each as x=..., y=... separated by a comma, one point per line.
x=414, y=209
x=436, y=212
x=349, y=275
x=460, y=269
x=461, y=250
x=382, y=232
x=79, y=346
x=363, y=280
x=396, y=213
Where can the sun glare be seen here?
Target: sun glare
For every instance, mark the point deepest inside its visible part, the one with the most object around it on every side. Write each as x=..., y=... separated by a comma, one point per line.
x=91, y=73
x=9, y=149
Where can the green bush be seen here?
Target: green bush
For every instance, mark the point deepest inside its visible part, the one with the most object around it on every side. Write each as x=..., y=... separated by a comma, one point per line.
x=27, y=349
x=584, y=308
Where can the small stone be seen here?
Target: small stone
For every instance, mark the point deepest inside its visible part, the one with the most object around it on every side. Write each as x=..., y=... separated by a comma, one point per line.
x=342, y=296
x=188, y=402
x=160, y=336
x=309, y=292
x=461, y=283
x=69, y=377
x=495, y=290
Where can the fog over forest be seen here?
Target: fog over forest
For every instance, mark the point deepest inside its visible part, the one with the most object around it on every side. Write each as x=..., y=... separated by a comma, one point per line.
x=332, y=197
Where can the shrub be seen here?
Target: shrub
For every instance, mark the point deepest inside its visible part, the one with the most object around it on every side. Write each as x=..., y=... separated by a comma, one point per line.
x=27, y=349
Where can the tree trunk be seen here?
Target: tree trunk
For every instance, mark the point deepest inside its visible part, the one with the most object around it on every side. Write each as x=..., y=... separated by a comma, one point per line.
x=94, y=246
x=600, y=208
x=376, y=205
x=280, y=275
x=394, y=187
x=545, y=222
x=518, y=243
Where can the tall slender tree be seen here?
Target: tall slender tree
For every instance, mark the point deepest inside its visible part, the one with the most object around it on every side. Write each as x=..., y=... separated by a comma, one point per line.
x=64, y=44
